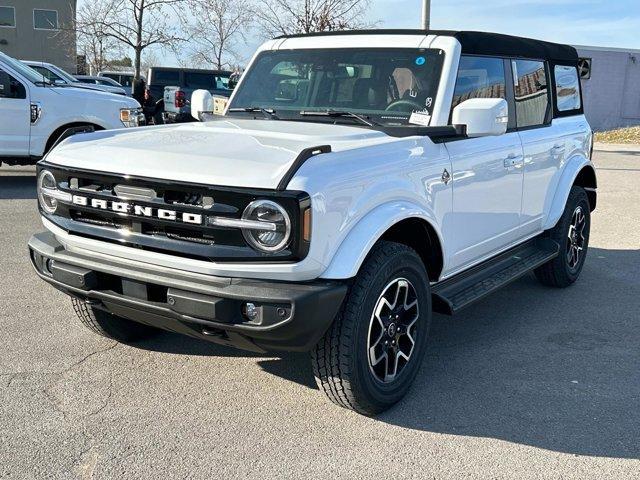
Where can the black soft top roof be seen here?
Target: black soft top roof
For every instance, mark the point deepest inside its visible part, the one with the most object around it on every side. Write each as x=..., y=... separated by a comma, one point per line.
x=479, y=43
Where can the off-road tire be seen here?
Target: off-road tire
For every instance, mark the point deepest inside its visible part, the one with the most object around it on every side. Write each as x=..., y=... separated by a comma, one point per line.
x=558, y=272
x=340, y=360
x=109, y=325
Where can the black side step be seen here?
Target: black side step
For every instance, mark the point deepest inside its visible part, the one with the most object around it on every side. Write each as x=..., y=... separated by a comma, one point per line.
x=455, y=293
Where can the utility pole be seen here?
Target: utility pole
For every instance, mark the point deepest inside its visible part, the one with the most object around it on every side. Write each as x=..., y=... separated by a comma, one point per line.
x=426, y=14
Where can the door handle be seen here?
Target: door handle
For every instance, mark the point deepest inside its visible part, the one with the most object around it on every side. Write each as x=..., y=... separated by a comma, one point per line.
x=512, y=160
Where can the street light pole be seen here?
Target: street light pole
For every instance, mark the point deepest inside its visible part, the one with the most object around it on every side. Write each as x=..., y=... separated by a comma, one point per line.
x=426, y=14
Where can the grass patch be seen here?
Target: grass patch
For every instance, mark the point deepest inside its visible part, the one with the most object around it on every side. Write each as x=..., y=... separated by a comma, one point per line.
x=623, y=135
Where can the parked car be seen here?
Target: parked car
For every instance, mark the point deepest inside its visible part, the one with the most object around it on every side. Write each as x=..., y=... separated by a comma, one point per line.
x=358, y=182
x=35, y=113
x=57, y=75
x=182, y=82
x=123, y=78
x=108, y=84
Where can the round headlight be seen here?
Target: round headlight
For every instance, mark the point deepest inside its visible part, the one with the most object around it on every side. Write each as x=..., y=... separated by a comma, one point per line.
x=46, y=185
x=277, y=226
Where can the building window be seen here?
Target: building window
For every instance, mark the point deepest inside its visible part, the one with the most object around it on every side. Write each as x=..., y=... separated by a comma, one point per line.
x=8, y=17
x=531, y=92
x=45, y=19
x=567, y=88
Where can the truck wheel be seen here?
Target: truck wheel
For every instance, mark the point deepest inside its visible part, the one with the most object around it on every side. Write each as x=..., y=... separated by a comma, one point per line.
x=371, y=354
x=109, y=325
x=572, y=234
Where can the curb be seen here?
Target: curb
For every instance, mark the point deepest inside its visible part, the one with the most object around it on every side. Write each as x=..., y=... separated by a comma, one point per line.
x=616, y=147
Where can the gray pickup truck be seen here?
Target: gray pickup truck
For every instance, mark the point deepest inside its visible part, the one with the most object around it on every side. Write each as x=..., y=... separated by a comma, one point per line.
x=177, y=104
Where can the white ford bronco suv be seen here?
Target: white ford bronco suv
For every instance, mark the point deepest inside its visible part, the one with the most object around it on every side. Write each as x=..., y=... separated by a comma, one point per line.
x=36, y=113
x=358, y=182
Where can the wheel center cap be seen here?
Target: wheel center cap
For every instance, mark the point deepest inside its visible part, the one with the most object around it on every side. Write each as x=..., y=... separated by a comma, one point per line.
x=392, y=329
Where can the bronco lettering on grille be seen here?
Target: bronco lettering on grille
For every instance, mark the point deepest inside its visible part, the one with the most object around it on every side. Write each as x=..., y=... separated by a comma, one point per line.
x=138, y=210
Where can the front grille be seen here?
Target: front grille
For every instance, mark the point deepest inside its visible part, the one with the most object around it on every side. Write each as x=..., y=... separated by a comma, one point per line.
x=170, y=217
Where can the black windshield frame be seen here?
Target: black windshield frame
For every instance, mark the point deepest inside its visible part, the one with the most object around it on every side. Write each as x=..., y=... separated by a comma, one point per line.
x=364, y=81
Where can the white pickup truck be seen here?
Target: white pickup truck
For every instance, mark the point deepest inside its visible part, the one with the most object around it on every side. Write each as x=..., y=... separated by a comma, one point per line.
x=36, y=113
x=358, y=182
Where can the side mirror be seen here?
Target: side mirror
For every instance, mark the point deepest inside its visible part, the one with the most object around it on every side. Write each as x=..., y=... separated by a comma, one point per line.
x=483, y=116
x=201, y=103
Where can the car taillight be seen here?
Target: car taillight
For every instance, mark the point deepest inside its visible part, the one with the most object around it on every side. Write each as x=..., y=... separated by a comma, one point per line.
x=180, y=100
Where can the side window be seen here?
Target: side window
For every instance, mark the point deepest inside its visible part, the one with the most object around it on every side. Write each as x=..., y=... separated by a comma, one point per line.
x=10, y=87
x=166, y=77
x=48, y=74
x=479, y=77
x=197, y=80
x=531, y=92
x=567, y=88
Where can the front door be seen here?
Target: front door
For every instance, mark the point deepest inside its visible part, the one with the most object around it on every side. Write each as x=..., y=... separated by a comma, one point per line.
x=15, y=125
x=487, y=174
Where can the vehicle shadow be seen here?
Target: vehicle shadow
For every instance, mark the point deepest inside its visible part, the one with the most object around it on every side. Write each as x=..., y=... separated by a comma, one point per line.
x=290, y=366
x=17, y=184
x=551, y=368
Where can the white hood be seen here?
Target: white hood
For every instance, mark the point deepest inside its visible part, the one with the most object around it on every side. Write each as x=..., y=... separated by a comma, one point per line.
x=235, y=152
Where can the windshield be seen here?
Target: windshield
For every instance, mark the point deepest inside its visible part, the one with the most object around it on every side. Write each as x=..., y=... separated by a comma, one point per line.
x=27, y=72
x=384, y=85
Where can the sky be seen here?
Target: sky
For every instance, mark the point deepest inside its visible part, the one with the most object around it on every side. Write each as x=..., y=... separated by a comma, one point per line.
x=604, y=23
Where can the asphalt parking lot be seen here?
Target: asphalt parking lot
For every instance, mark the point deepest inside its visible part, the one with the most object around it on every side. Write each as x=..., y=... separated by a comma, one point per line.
x=530, y=383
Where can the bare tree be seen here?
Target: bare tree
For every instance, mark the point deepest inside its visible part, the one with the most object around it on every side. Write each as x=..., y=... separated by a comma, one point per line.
x=215, y=27
x=285, y=17
x=137, y=24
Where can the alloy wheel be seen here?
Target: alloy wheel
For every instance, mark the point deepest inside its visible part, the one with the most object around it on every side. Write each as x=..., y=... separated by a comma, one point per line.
x=392, y=330
x=576, y=241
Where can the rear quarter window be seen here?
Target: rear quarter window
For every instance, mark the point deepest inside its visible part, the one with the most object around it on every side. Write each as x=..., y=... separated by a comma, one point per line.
x=567, y=88
x=165, y=77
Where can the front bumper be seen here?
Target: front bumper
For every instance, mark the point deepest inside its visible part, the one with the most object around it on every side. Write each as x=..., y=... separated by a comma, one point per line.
x=289, y=316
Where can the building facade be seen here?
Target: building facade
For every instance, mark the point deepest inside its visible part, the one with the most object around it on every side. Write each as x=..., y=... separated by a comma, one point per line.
x=39, y=30
x=611, y=86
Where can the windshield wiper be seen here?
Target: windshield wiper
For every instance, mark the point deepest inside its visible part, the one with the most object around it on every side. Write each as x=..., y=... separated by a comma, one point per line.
x=267, y=112
x=339, y=113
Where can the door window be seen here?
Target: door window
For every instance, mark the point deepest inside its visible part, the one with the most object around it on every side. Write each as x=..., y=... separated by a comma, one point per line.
x=531, y=93
x=10, y=87
x=48, y=74
x=479, y=77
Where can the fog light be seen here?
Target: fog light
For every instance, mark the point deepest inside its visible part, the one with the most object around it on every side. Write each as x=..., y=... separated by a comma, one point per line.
x=250, y=311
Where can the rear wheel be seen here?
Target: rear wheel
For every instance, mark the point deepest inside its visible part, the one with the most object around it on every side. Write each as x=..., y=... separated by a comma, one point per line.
x=109, y=325
x=572, y=234
x=370, y=356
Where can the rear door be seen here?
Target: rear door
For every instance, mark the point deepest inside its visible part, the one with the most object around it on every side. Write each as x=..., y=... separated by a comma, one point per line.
x=15, y=124
x=487, y=173
x=543, y=146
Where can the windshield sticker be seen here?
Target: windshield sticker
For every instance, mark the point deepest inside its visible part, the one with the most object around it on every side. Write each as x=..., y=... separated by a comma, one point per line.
x=428, y=102
x=420, y=118
x=421, y=61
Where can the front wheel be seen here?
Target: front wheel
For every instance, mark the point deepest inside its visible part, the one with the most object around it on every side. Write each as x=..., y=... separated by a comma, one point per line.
x=370, y=356
x=572, y=234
